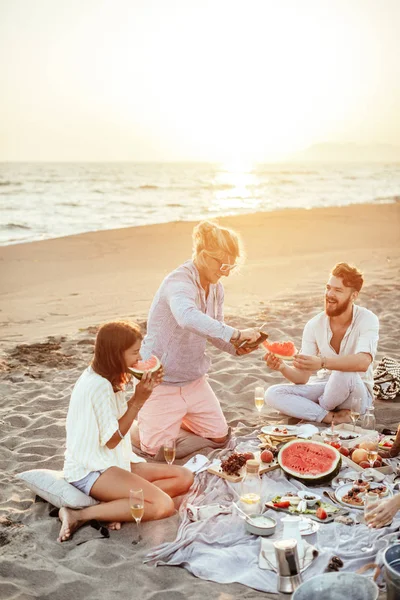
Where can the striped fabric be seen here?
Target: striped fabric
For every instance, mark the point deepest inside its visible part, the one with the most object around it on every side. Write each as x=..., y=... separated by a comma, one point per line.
x=181, y=320
x=92, y=419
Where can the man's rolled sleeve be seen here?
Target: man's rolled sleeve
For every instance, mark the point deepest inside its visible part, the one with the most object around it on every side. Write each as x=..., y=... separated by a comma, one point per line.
x=369, y=336
x=309, y=345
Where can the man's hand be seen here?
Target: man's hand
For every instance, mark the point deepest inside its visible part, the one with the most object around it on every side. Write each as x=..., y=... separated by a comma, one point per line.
x=241, y=351
x=273, y=362
x=384, y=512
x=144, y=388
x=250, y=335
x=307, y=363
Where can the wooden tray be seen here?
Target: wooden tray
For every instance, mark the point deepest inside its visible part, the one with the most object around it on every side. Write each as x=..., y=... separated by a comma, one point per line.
x=340, y=511
x=386, y=468
x=264, y=468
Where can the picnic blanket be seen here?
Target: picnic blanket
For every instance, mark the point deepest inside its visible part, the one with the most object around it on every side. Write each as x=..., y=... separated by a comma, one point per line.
x=219, y=549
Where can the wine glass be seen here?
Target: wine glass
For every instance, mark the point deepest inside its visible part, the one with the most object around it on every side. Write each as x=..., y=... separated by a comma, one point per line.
x=372, y=451
x=259, y=400
x=370, y=503
x=136, y=503
x=355, y=410
x=169, y=451
x=327, y=537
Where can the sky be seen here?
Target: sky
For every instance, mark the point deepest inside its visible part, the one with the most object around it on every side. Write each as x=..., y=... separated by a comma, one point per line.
x=195, y=80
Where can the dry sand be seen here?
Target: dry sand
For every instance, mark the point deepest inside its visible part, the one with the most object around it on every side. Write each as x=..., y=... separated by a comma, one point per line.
x=65, y=287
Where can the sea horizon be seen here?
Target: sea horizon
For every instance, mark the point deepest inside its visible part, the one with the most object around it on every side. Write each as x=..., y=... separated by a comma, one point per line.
x=46, y=200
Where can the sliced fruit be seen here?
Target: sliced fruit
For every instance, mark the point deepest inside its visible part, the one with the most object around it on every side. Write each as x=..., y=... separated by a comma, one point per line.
x=152, y=365
x=284, y=350
x=310, y=462
x=282, y=504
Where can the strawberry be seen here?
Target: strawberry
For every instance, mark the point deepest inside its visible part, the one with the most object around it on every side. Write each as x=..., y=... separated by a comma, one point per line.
x=285, y=504
x=321, y=513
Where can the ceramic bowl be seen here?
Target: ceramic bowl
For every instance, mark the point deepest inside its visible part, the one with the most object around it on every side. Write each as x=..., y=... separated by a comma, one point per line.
x=259, y=529
x=336, y=586
x=303, y=493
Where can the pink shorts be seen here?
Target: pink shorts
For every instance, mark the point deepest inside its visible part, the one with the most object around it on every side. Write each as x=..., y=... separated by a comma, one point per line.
x=194, y=405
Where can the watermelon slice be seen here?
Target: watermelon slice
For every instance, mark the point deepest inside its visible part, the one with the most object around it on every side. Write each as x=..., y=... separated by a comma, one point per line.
x=152, y=365
x=312, y=463
x=284, y=350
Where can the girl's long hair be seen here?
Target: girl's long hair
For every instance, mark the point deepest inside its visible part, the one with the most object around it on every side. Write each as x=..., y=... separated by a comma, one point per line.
x=112, y=340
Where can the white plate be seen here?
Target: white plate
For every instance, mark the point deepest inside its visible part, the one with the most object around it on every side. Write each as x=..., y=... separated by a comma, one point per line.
x=308, y=526
x=387, y=438
x=269, y=430
x=343, y=489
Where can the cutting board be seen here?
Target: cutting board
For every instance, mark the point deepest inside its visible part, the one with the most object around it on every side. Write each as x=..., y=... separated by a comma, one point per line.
x=215, y=469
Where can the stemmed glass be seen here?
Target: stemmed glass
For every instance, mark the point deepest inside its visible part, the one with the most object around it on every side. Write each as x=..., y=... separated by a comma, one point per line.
x=355, y=410
x=136, y=503
x=169, y=451
x=259, y=400
x=370, y=502
x=372, y=452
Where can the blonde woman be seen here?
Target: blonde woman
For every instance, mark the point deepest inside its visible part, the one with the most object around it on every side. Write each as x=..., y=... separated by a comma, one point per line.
x=187, y=310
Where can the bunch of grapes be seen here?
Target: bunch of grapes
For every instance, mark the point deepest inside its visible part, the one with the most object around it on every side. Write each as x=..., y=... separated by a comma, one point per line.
x=233, y=464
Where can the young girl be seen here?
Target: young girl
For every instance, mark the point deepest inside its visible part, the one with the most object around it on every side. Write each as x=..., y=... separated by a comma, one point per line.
x=99, y=453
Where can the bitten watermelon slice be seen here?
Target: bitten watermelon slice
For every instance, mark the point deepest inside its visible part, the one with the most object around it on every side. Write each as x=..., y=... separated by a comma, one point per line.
x=152, y=365
x=284, y=350
x=312, y=463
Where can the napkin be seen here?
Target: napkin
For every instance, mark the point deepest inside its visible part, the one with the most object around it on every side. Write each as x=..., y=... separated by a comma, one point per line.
x=267, y=558
x=197, y=462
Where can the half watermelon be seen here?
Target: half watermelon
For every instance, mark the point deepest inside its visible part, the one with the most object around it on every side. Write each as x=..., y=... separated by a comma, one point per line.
x=312, y=463
x=284, y=350
x=152, y=365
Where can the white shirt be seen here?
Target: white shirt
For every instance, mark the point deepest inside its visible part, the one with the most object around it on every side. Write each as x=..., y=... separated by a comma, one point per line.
x=362, y=335
x=181, y=320
x=92, y=419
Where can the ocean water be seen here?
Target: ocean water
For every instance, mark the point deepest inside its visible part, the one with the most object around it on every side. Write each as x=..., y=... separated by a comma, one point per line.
x=47, y=200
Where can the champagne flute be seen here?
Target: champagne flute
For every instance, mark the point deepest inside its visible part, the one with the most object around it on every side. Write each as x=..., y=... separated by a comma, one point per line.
x=169, y=451
x=355, y=410
x=259, y=400
x=136, y=503
x=370, y=503
x=372, y=452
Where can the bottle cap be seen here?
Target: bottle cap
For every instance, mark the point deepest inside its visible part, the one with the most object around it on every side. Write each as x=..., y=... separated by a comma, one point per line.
x=252, y=466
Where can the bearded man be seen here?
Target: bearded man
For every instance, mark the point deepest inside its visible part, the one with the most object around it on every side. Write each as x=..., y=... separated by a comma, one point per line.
x=341, y=341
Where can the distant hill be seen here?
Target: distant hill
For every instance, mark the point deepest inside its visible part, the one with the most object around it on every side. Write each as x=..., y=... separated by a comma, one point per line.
x=330, y=152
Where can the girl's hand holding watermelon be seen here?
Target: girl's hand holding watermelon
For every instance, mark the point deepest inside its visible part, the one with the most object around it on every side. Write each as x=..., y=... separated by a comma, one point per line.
x=146, y=385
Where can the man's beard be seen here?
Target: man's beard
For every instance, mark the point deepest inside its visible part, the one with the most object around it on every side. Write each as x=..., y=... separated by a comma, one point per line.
x=336, y=309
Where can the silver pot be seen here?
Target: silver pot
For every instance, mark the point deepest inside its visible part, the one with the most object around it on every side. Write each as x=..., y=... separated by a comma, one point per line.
x=391, y=560
x=337, y=586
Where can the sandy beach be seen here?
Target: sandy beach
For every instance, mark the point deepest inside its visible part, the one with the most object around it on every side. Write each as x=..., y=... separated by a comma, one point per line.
x=53, y=295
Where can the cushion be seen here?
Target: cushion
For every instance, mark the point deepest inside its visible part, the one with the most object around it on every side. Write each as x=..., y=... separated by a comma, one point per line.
x=51, y=486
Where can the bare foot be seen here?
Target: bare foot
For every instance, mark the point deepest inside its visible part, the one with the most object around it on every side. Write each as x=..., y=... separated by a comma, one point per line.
x=115, y=525
x=340, y=416
x=69, y=523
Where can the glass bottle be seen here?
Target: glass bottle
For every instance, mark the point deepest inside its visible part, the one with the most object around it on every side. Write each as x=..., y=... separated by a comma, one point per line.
x=368, y=420
x=250, y=493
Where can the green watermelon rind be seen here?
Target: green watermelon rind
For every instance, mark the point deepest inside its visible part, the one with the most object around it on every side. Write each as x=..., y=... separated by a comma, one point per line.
x=311, y=479
x=139, y=373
